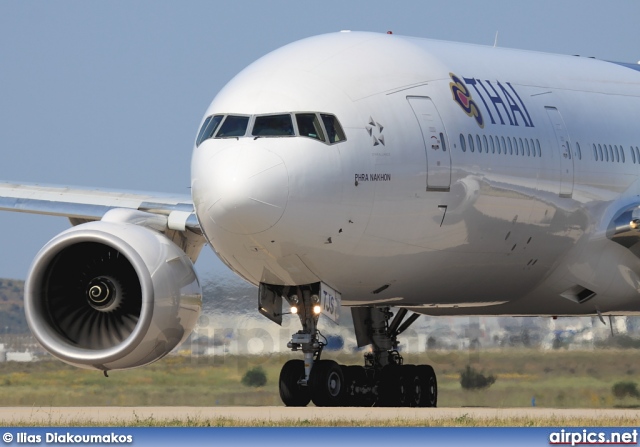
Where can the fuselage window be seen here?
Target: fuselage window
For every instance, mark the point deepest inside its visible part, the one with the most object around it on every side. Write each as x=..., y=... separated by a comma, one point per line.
x=334, y=130
x=633, y=155
x=521, y=147
x=611, y=153
x=497, y=143
x=538, y=147
x=595, y=152
x=600, y=152
x=463, y=143
x=208, y=128
x=479, y=143
x=503, y=144
x=526, y=143
x=637, y=154
x=233, y=126
x=617, y=153
x=486, y=143
x=510, y=146
x=471, y=143
x=620, y=149
x=443, y=142
x=273, y=126
x=309, y=126
x=578, y=151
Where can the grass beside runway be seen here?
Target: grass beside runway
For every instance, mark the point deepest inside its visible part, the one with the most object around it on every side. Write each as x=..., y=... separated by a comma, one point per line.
x=556, y=379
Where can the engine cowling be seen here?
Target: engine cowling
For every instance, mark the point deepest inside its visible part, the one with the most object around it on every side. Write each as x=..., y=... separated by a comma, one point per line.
x=110, y=295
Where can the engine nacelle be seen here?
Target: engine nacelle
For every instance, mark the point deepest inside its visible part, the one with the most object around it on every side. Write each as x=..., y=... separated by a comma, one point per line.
x=109, y=295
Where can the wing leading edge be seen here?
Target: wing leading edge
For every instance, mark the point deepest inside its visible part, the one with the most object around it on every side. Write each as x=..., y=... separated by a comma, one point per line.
x=177, y=219
x=82, y=205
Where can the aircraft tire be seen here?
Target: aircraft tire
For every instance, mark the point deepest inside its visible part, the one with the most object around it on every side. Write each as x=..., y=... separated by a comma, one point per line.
x=354, y=376
x=327, y=383
x=349, y=383
x=291, y=393
x=428, y=386
x=409, y=385
x=389, y=389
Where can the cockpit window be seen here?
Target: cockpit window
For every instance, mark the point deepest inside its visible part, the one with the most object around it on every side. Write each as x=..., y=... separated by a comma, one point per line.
x=334, y=130
x=318, y=126
x=208, y=128
x=309, y=126
x=233, y=126
x=273, y=126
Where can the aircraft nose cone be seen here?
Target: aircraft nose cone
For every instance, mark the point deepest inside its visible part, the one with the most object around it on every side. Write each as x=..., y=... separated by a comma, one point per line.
x=249, y=188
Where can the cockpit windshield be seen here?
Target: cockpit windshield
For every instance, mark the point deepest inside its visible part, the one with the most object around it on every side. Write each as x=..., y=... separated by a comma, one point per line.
x=309, y=126
x=208, y=128
x=273, y=126
x=334, y=129
x=233, y=126
x=318, y=126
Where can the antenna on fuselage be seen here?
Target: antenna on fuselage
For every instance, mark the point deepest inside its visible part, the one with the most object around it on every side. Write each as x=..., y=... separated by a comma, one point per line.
x=495, y=41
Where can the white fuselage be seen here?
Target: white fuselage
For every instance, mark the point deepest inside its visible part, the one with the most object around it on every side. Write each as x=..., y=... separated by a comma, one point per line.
x=402, y=204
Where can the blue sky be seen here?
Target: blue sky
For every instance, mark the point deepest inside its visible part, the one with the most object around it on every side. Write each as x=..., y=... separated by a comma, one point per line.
x=110, y=94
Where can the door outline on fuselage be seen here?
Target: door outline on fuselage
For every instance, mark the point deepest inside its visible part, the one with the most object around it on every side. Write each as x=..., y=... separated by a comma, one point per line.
x=436, y=143
x=563, y=149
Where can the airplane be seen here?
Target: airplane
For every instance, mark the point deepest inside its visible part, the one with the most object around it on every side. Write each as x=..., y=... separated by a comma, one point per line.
x=370, y=172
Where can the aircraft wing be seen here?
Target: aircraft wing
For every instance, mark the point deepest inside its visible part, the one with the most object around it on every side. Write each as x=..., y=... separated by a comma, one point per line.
x=83, y=205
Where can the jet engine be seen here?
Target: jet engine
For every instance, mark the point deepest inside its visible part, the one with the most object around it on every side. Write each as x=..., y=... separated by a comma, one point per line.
x=111, y=295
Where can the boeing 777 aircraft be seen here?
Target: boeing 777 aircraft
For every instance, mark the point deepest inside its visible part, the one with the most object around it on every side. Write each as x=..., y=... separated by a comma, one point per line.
x=363, y=171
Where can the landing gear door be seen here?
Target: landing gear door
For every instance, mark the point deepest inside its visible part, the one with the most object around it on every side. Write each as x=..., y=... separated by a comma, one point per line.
x=270, y=303
x=435, y=142
x=330, y=301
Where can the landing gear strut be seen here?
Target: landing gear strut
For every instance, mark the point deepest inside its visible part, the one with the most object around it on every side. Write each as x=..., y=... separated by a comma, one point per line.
x=320, y=381
x=384, y=380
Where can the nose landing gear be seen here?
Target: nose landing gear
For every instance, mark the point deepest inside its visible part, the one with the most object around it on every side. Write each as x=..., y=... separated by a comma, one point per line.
x=320, y=381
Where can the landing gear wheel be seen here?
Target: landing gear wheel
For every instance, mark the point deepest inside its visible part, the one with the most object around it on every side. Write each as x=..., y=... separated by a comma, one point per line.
x=428, y=386
x=291, y=393
x=389, y=386
x=354, y=376
x=327, y=384
x=407, y=384
x=349, y=383
x=396, y=387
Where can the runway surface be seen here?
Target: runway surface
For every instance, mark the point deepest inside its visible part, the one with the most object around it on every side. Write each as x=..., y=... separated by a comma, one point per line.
x=253, y=415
